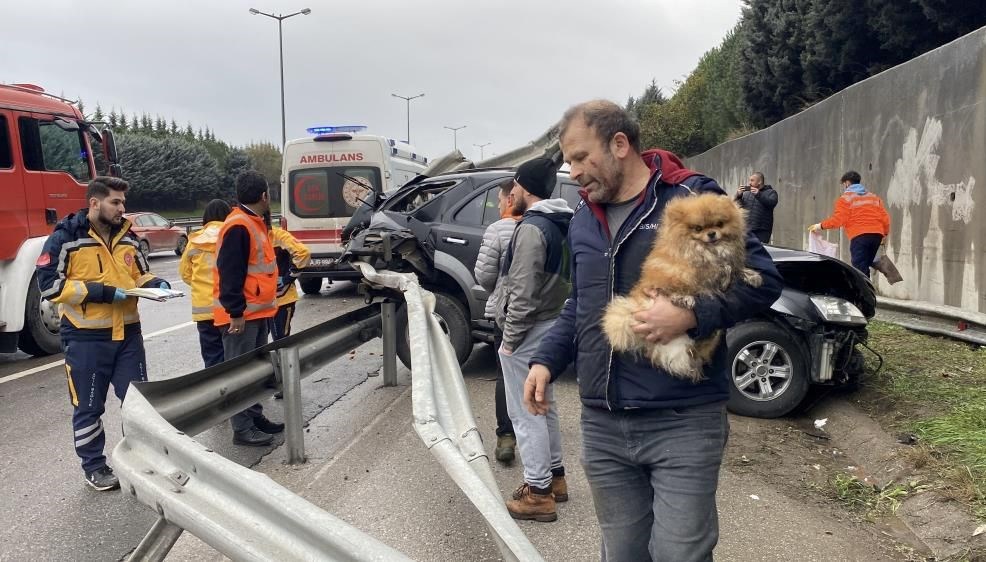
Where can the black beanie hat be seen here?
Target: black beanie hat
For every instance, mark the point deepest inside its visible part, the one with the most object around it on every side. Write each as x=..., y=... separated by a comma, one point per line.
x=537, y=177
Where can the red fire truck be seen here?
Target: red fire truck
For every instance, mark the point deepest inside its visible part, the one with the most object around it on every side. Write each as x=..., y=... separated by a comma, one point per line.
x=48, y=153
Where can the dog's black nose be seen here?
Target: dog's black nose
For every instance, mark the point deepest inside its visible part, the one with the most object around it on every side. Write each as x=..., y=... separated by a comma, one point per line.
x=712, y=235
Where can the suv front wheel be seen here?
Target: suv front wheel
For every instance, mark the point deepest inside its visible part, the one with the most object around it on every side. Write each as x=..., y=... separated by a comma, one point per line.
x=451, y=316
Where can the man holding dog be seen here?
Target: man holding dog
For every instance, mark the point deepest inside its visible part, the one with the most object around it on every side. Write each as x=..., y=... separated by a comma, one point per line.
x=652, y=443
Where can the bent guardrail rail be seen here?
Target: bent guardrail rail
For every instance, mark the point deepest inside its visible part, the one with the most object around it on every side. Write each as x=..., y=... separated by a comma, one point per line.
x=443, y=416
x=241, y=513
x=247, y=516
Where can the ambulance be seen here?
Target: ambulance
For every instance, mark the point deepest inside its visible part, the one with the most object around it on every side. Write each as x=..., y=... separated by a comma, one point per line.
x=325, y=178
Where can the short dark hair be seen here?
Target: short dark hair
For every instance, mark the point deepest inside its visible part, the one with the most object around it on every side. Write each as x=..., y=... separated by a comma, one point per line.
x=759, y=175
x=251, y=185
x=506, y=186
x=606, y=119
x=851, y=176
x=100, y=187
x=216, y=210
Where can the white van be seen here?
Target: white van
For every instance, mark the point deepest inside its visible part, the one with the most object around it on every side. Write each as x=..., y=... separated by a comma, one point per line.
x=323, y=180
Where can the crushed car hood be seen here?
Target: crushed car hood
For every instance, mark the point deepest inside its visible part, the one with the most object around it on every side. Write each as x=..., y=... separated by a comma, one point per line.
x=821, y=275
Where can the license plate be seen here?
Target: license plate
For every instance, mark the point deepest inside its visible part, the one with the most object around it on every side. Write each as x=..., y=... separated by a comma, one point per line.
x=323, y=262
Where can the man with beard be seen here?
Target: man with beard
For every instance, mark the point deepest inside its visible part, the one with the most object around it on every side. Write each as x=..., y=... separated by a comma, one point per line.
x=245, y=292
x=651, y=443
x=87, y=263
x=533, y=290
x=758, y=200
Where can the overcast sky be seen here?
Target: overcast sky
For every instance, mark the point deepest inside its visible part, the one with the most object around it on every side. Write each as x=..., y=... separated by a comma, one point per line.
x=506, y=69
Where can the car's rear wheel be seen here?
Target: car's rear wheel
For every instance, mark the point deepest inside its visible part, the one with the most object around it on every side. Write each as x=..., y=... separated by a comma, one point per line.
x=180, y=248
x=41, y=324
x=768, y=370
x=454, y=320
x=311, y=285
x=145, y=248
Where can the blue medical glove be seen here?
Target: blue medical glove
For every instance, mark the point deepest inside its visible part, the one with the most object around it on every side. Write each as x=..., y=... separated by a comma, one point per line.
x=164, y=285
x=119, y=295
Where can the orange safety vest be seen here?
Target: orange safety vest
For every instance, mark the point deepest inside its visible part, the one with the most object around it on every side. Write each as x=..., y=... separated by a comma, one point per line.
x=260, y=286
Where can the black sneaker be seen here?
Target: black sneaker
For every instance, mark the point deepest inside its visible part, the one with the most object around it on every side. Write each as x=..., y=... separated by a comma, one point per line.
x=252, y=437
x=267, y=426
x=102, y=479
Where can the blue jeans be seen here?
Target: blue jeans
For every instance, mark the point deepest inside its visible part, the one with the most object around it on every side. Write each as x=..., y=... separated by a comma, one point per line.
x=653, y=476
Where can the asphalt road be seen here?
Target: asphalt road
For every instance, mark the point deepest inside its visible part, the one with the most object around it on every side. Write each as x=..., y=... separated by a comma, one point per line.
x=48, y=512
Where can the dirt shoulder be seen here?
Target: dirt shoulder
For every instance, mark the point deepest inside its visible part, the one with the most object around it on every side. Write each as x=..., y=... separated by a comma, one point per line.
x=903, y=458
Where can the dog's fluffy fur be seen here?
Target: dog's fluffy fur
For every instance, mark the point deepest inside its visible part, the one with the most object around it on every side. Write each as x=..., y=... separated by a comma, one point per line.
x=700, y=250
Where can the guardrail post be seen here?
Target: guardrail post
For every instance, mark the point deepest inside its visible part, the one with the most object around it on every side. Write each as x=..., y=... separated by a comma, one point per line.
x=290, y=363
x=388, y=321
x=157, y=543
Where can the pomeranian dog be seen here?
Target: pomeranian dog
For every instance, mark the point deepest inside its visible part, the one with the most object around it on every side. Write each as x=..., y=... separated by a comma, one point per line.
x=700, y=249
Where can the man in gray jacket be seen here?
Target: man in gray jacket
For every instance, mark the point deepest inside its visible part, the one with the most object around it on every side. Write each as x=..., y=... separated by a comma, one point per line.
x=534, y=288
x=496, y=239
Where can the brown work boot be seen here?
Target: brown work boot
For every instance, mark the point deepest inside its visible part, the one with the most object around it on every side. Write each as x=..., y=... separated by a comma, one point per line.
x=532, y=504
x=884, y=265
x=559, y=489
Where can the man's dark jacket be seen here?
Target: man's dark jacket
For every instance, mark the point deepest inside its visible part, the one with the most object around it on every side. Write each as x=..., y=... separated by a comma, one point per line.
x=760, y=210
x=601, y=269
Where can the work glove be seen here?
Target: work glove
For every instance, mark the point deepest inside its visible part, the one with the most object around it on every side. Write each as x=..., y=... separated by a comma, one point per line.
x=815, y=227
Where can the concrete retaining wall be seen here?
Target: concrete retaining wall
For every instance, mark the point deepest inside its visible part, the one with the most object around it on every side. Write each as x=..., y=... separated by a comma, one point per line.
x=917, y=135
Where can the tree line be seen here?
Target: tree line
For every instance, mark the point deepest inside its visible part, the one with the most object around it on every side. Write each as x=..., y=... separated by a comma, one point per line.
x=785, y=55
x=179, y=168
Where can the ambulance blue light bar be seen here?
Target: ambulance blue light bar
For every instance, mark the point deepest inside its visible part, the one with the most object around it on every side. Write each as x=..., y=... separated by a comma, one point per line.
x=327, y=129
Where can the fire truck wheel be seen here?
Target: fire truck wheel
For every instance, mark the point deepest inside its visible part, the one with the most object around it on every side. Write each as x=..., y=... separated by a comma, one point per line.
x=40, y=334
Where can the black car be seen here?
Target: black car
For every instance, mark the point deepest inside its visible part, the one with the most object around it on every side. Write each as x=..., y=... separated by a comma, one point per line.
x=434, y=227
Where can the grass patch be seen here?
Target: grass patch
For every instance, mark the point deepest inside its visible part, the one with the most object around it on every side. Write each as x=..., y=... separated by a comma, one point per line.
x=936, y=388
x=868, y=500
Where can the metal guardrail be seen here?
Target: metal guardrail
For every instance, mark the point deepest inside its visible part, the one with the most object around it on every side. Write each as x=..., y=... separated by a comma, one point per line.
x=188, y=223
x=239, y=512
x=247, y=516
x=443, y=416
x=939, y=320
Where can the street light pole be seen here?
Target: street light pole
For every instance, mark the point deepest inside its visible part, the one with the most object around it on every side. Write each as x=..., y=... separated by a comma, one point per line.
x=481, y=147
x=408, y=100
x=455, y=136
x=280, y=42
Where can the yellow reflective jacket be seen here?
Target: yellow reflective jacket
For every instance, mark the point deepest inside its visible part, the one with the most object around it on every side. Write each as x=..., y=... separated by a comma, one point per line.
x=196, y=268
x=291, y=254
x=81, y=273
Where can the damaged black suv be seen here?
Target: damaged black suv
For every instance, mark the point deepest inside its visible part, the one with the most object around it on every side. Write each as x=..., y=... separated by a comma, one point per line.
x=434, y=227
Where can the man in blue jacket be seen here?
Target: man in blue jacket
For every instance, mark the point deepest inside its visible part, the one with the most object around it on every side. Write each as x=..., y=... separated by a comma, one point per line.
x=652, y=443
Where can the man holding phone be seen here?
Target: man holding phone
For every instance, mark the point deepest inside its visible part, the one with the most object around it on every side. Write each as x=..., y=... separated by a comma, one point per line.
x=758, y=200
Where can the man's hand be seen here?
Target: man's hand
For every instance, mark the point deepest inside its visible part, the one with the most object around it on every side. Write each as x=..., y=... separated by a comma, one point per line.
x=663, y=321
x=815, y=227
x=164, y=285
x=119, y=295
x=236, y=325
x=504, y=350
x=535, y=386
x=754, y=190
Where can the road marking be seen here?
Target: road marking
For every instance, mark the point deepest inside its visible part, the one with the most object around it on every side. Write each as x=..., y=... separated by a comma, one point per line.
x=60, y=362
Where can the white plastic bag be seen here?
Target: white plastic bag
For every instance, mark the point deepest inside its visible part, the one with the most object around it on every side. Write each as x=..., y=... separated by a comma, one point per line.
x=819, y=245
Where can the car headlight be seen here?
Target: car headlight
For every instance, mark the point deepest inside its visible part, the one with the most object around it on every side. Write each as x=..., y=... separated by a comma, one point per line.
x=839, y=311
